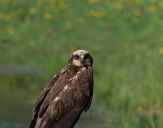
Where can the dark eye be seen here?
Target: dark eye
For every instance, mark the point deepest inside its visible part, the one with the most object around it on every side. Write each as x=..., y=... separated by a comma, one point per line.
x=76, y=57
x=86, y=56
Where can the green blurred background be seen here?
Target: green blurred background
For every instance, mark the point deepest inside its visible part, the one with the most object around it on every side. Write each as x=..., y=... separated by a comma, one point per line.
x=125, y=38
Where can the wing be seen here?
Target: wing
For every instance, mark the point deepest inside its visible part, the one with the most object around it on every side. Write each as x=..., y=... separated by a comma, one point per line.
x=90, y=100
x=42, y=97
x=67, y=121
x=65, y=101
x=91, y=88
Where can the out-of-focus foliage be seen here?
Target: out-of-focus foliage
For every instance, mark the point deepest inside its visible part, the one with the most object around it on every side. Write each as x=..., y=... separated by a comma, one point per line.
x=22, y=11
x=20, y=14
x=125, y=38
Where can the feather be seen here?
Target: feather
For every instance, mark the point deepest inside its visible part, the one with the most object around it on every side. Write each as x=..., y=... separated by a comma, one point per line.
x=65, y=97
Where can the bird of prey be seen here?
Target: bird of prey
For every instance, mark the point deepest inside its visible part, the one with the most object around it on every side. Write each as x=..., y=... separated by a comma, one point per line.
x=67, y=95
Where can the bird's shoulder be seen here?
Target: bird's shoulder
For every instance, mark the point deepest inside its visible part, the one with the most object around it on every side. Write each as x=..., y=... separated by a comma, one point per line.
x=47, y=88
x=73, y=85
x=64, y=93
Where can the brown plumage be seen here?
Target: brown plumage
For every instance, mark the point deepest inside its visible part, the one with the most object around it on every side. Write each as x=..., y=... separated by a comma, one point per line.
x=67, y=95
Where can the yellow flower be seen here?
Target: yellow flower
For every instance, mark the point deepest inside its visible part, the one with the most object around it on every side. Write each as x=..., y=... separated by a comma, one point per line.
x=138, y=13
x=62, y=4
x=1, y=15
x=140, y=110
x=119, y=6
x=161, y=5
x=11, y=30
x=161, y=50
x=153, y=1
x=93, y=1
x=47, y=16
x=161, y=38
x=151, y=9
x=39, y=3
x=32, y=10
x=97, y=14
x=138, y=2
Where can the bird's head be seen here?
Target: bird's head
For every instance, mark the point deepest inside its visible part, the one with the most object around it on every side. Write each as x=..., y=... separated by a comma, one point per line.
x=81, y=58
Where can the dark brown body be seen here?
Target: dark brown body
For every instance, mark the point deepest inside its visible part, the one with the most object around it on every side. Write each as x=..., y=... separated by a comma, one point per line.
x=64, y=98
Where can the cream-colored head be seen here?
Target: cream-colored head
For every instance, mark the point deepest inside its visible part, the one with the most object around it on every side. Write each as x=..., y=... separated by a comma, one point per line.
x=81, y=58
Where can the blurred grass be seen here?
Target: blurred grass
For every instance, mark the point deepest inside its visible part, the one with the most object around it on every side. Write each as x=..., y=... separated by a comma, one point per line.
x=125, y=38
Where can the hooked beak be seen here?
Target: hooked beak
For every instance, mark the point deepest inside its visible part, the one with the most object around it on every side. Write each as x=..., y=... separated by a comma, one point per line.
x=82, y=59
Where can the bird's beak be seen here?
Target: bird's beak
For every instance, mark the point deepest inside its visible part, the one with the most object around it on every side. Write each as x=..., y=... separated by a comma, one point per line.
x=82, y=59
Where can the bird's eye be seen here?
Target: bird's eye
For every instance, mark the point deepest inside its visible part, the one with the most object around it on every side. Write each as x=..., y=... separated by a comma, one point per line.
x=76, y=57
x=86, y=57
